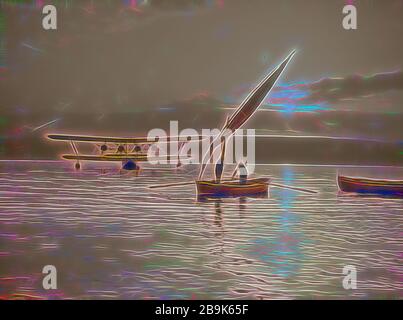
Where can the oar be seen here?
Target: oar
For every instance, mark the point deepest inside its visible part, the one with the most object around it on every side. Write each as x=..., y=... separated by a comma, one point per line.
x=157, y=186
x=178, y=184
x=168, y=185
x=292, y=188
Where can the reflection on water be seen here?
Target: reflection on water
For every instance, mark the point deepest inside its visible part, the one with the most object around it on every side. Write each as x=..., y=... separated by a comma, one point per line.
x=280, y=252
x=111, y=237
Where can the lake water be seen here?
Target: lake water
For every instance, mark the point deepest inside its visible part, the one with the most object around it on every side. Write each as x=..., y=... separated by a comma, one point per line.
x=110, y=237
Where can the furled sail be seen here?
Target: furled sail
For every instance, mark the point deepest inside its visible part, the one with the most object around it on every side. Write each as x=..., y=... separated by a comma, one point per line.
x=248, y=107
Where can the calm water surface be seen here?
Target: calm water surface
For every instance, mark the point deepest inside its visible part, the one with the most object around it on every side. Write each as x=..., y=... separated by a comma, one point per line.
x=111, y=237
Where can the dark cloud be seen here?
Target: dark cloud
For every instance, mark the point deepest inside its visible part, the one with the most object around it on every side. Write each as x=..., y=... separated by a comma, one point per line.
x=354, y=86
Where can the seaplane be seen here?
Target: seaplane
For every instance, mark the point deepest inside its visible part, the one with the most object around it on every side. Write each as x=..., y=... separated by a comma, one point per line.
x=128, y=151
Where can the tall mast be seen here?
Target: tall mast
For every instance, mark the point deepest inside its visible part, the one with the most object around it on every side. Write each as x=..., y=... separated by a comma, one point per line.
x=248, y=107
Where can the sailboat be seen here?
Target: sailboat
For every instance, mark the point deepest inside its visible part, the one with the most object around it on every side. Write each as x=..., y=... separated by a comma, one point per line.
x=229, y=187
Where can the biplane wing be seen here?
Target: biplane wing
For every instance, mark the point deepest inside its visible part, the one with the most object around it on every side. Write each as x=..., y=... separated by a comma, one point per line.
x=115, y=157
x=118, y=149
x=106, y=157
x=116, y=140
x=99, y=139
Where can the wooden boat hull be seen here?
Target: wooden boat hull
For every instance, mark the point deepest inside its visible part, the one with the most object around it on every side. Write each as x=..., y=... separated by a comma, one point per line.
x=392, y=188
x=252, y=187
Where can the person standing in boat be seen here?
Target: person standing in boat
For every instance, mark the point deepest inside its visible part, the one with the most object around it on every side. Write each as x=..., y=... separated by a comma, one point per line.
x=242, y=172
x=219, y=166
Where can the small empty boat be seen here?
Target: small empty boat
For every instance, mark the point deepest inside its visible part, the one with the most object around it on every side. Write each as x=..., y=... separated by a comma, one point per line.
x=393, y=188
x=252, y=187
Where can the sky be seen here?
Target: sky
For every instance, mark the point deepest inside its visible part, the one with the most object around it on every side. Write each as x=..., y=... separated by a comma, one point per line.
x=130, y=56
x=126, y=54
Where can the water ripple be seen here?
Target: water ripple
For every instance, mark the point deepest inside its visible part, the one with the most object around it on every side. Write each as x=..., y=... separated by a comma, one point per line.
x=111, y=237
